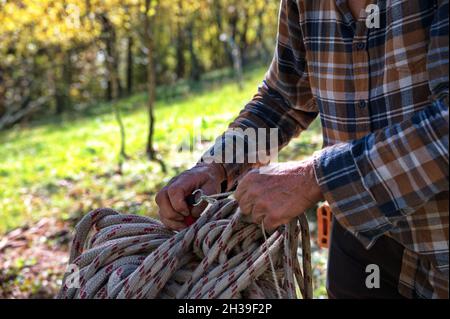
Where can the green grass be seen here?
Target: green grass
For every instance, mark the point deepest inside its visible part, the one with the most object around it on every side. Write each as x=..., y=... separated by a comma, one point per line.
x=66, y=166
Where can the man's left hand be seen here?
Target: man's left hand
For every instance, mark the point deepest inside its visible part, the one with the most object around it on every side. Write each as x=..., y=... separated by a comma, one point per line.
x=277, y=193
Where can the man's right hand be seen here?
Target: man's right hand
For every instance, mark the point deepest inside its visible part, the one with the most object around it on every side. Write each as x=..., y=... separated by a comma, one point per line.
x=171, y=200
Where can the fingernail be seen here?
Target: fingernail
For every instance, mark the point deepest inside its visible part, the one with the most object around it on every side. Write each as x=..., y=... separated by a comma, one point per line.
x=185, y=214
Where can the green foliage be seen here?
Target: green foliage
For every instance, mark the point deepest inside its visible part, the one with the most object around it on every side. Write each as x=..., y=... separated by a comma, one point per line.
x=62, y=55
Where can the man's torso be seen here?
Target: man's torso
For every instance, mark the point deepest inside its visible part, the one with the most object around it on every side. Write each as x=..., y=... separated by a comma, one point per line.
x=365, y=77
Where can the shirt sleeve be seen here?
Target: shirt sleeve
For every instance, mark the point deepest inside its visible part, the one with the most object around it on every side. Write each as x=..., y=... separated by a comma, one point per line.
x=283, y=101
x=373, y=182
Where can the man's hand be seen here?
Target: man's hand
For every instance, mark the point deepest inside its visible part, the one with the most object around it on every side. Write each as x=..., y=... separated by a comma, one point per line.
x=172, y=198
x=277, y=193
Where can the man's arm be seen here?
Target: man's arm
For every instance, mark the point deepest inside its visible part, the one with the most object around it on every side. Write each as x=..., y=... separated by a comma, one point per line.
x=284, y=100
x=373, y=182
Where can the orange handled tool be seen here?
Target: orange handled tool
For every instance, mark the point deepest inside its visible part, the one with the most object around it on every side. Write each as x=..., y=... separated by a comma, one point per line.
x=324, y=217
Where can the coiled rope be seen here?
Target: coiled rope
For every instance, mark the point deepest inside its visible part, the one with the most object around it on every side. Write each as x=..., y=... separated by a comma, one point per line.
x=219, y=256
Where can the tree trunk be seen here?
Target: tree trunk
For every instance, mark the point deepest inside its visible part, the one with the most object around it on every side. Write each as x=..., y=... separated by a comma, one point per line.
x=263, y=50
x=57, y=63
x=114, y=82
x=243, y=44
x=63, y=82
x=180, y=44
x=67, y=79
x=2, y=94
x=233, y=21
x=196, y=68
x=111, y=59
x=150, y=105
x=219, y=21
x=130, y=62
x=148, y=37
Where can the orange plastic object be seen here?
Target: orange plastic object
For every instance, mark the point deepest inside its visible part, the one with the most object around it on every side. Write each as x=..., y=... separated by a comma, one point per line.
x=324, y=216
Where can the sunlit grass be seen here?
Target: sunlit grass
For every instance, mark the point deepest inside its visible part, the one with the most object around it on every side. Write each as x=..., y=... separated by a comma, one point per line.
x=66, y=167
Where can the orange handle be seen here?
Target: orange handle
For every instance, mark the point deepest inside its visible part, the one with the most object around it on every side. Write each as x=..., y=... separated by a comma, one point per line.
x=324, y=217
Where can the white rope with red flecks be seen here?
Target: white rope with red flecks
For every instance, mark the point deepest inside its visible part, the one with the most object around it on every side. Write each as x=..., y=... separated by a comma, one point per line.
x=219, y=256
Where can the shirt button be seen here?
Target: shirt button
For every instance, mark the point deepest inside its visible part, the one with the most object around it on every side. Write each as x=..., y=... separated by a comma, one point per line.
x=360, y=46
x=362, y=104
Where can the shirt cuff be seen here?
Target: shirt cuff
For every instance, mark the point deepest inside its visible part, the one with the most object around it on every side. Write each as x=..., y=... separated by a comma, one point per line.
x=351, y=202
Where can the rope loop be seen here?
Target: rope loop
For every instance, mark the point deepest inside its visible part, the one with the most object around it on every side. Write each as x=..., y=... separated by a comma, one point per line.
x=199, y=197
x=219, y=256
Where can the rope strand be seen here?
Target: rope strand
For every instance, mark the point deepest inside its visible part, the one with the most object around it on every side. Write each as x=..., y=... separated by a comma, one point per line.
x=219, y=256
x=272, y=267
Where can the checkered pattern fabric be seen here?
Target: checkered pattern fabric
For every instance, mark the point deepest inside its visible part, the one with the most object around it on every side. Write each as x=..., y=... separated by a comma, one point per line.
x=382, y=96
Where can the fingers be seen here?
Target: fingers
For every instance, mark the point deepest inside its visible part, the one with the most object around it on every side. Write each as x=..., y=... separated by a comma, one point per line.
x=172, y=224
x=177, y=196
x=239, y=193
x=244, y=184
x=168, y=215
x=249, y=203
x=245, y=192
x=245, y=202
x=255, y=201
x=171, y=200
x=248, y=181
x=185, y=184
x=270, y=223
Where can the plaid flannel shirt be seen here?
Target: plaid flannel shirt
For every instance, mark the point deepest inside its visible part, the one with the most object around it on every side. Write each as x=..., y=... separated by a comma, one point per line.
x=382, y=96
